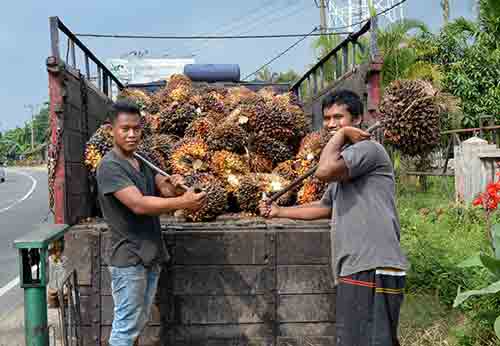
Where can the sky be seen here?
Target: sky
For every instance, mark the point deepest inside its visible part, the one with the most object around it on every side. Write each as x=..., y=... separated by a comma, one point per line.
x=25, y=43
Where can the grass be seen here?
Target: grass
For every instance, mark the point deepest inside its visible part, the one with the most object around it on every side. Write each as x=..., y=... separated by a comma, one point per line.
x=437, y=234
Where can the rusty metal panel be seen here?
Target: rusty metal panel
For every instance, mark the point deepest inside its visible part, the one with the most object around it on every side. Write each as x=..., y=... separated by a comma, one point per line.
x=90, y=336
x=306, y=308
x=306, y=341
x=302, y=279
x=299, y=247
x=222, y=309
x=98, y=106
x=226, y=248
x=89, y=307
x=307, y=329
x=107, y=307
x=73, y=118
x=149, y=337
x=73, y=94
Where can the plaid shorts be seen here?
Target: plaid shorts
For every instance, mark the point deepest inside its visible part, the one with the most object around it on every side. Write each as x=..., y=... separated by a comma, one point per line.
x=367, y=308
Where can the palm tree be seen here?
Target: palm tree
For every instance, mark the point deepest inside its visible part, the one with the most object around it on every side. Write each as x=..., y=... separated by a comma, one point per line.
x=395, y=44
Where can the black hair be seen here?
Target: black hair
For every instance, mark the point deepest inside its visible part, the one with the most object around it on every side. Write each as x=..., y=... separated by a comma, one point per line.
x=123, y=106
x=347, y=98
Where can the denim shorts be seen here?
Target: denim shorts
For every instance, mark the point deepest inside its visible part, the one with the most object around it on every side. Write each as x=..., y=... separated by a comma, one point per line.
x=133, y=289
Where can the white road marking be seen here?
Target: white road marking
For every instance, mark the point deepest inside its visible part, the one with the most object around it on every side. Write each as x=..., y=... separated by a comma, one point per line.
x=33, y=186
x=13, y=283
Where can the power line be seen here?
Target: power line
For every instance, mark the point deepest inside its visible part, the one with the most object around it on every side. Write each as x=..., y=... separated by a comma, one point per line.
x=215, y=37
x=281, y=54
x=312, y=33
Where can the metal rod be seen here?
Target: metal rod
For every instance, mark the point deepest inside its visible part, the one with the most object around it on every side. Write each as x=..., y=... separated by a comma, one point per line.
x=310, y=172
x=157, y=169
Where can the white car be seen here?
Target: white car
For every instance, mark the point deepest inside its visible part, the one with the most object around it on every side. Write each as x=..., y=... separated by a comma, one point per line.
x=2, y=173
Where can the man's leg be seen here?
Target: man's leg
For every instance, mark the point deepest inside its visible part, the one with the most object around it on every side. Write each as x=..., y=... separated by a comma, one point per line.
x=353, y=309
x=152, y=276
x=387, y=305
x=128, y=287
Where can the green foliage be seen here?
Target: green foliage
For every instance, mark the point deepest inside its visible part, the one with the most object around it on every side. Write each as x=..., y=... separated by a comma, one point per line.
x=16, y=141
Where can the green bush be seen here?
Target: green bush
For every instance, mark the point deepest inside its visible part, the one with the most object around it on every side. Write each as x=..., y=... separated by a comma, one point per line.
x=437, y=235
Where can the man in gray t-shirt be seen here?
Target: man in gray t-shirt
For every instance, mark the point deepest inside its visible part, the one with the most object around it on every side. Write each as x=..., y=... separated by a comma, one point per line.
x=131, y=198
x=368, y=261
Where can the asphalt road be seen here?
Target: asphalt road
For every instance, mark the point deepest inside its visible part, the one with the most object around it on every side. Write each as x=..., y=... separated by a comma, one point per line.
x=23, y=203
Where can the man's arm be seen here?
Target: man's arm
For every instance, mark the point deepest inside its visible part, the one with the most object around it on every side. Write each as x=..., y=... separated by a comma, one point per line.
x=169, y=186
x=331, y=165
x=133, y=199
x=311, y=211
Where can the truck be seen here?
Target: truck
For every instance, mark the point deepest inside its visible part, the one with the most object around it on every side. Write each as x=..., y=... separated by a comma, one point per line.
x=232, y=282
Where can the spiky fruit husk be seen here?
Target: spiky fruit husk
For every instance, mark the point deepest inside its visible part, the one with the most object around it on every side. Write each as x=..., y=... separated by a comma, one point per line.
x=189, y=156
x=272, y=183
x=178, y=80
x=137, y=96
x=98, y=145
x=211, y=100
x=310, y=146
x=216, y=201
x=226, y=163
x=258, y=163
x=410, y=113
x=312, y=190
x=248, y=193
x=285, y=170
x=201, y=127
x=240, y=95
x=176, y=117
x=272, y=149
x=228, y=136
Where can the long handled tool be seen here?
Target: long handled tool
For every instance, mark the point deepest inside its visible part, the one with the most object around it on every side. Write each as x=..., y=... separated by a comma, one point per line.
x=158, y=169
x=294, y=184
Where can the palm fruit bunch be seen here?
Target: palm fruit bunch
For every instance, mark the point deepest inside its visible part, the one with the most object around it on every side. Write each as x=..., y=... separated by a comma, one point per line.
x=178, y=80
x=225, y=163
x=286, y=170
x=139, y=97
x=201, y=127
x=272, y=149
x=410, y=113
x=272, y=183
x=98, y=145
x=312, y=190
x=216, y=201
x=228, y=135
x=176, y=117
x=258, y=163
x=189, y=156
x=158, y=149
x=211, y=99
x=247, y=192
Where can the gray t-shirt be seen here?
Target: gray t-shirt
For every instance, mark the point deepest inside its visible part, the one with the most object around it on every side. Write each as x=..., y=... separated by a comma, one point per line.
x=367, y=230
x=135, y=239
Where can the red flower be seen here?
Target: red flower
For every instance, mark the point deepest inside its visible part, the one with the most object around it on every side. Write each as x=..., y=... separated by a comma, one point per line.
x=477, y=201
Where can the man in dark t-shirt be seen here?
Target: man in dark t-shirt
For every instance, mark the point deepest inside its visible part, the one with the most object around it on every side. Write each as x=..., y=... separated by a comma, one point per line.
x=131, y=198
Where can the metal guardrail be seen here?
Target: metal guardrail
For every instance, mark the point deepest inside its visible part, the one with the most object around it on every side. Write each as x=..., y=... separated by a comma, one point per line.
x=97, y=72
x=340, y=60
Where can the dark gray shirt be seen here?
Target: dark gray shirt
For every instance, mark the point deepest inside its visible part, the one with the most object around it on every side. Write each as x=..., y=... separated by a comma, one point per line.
x=365, y=217
x=135, y=239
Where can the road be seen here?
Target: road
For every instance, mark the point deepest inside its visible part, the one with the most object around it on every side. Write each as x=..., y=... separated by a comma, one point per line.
x=23, y=203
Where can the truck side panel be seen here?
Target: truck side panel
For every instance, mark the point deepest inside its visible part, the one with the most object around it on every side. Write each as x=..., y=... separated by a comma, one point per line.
x=77, y=109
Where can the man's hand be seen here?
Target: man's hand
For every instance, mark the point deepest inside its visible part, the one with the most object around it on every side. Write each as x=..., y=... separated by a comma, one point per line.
x=268, y=210
x=193, y=201
x=354, y=134
x=170, y=186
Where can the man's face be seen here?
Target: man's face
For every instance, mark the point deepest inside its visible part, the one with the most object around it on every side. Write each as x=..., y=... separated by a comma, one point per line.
x=337, y=116
x=127, y=131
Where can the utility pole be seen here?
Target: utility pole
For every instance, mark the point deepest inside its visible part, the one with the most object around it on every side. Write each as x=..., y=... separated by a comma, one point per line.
x=32, y=108
x=322, y=16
